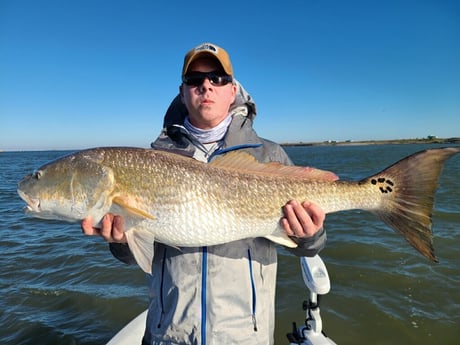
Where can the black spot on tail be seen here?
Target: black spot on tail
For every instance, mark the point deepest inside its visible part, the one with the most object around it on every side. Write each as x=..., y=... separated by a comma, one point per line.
x=385, y=184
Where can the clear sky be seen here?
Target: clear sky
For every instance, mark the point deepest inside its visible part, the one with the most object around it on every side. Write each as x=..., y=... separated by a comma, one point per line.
x=85, y=73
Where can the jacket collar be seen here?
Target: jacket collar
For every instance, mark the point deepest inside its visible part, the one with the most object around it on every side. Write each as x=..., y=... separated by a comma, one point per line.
x=175, y=138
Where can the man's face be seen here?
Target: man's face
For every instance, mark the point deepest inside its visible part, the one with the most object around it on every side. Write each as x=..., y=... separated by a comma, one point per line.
x=207, y=104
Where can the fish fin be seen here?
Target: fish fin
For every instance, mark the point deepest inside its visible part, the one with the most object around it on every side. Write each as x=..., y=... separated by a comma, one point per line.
x=243, y=161
x=282, y=238
x=123, y=203
x=407, y=189
x=140, y=242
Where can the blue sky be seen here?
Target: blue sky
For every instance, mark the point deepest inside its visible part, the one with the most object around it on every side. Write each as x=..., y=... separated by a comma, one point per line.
x=77, y=74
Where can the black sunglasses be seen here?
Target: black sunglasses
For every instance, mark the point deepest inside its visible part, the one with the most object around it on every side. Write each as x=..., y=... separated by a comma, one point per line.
x=215, y=78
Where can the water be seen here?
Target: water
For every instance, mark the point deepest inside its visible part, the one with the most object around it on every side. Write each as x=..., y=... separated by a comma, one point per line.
x=60, y=287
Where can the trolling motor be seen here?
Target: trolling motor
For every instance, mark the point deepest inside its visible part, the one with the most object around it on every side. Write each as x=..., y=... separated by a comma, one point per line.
x=316, y=279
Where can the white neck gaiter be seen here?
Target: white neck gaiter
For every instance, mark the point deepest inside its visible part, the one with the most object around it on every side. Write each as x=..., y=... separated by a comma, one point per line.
x=212, y=135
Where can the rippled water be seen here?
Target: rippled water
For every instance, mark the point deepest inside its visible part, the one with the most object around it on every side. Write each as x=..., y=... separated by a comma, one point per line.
x=60, y=287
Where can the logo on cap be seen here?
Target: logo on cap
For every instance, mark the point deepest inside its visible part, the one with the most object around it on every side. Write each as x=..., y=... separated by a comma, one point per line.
x=208, y=47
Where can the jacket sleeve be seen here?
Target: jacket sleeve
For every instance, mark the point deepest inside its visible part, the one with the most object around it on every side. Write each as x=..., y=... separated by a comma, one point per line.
x=122, y=252
x=309, y=246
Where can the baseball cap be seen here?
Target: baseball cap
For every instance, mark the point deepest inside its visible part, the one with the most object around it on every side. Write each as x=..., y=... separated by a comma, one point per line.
x=208, y=49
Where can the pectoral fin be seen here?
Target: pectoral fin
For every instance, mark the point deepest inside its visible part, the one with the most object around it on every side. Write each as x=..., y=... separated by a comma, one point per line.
x=123, y=203
x=283, y=239
x=140, y=243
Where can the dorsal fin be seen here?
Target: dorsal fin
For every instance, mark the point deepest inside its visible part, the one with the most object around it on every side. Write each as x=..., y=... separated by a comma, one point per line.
x=243, y=161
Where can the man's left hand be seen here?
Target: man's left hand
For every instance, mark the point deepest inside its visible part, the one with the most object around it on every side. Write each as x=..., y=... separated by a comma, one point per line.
x=302, y=220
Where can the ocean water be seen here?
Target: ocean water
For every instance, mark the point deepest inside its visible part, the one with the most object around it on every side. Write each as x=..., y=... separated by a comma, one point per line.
x=60, y=287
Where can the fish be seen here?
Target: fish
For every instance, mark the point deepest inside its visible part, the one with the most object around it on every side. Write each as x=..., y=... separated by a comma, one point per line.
x=181, y=202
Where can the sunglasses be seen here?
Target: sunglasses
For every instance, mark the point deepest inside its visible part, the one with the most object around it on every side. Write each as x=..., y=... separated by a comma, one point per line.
x=215, y=78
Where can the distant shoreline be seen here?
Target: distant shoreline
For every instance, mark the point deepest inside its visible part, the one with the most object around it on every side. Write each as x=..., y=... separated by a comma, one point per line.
x=377, y=142
x=446, y=141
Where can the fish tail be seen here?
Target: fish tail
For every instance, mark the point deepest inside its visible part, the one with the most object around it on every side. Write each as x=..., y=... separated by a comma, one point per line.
x=408, y=189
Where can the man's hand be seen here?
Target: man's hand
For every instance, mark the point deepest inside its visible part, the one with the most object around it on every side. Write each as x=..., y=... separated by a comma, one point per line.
x=112, y=228
x=302, y=220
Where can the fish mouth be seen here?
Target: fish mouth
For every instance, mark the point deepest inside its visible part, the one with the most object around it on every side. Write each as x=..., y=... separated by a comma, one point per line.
x=32, y=205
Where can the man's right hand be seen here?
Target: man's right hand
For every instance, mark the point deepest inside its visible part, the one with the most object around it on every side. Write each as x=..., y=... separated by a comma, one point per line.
x=112, y=228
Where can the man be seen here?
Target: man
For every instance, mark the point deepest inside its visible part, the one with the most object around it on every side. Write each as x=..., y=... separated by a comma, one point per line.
x=221, y=294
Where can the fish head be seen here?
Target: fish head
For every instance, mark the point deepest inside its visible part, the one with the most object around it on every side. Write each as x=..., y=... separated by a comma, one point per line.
x=69, y=188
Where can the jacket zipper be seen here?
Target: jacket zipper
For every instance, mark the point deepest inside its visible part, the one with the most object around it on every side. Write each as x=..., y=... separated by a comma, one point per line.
x=253, y=288
x=162, y=312
x=204, y=273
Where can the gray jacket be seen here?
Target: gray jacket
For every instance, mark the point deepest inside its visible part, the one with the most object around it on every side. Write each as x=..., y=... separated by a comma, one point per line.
x=223, y=294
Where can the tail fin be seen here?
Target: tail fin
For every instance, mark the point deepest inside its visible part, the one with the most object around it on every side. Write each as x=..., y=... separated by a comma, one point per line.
x=414, y=180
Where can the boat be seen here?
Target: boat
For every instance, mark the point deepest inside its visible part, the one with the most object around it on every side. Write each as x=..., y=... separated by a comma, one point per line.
x=132, y=333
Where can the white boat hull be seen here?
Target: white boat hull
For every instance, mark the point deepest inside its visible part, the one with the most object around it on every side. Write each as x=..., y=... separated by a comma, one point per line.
x=132, y=333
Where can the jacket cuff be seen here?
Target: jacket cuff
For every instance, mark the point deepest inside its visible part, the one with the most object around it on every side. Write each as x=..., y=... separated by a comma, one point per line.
x=309, y=246
x=122, y=252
